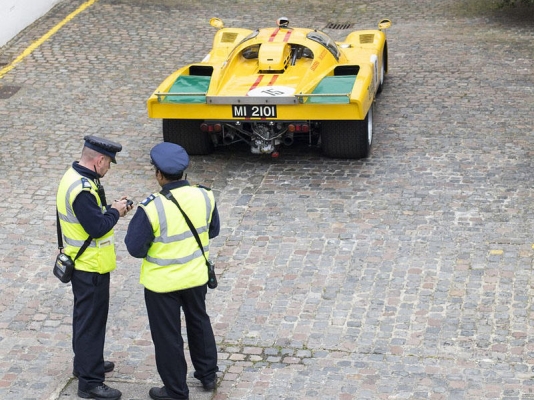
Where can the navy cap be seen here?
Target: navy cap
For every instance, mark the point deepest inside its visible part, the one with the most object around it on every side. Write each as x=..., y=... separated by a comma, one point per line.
x=103, y=146
x=169, y=158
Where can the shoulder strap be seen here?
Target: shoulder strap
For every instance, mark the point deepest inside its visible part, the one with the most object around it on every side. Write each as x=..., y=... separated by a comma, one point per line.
x=59, y=235
x=168, y=195
x=84, y=246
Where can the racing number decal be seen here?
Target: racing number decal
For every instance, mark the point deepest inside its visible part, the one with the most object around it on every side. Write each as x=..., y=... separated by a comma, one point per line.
x=273, y=92
x=263, y=111
x=253, y=111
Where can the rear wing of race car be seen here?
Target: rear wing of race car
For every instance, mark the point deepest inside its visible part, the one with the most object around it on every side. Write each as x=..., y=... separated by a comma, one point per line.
x=189, y=89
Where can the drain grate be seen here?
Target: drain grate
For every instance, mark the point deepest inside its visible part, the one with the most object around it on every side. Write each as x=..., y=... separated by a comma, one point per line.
x=339, y=26
x=7, y=91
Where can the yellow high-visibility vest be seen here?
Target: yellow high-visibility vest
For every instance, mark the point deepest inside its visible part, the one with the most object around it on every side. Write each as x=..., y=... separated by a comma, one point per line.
x=174, y=260
x=100, y=254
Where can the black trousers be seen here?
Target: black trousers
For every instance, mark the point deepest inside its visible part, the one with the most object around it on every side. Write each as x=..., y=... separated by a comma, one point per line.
x=89, y=319
x=165, y=326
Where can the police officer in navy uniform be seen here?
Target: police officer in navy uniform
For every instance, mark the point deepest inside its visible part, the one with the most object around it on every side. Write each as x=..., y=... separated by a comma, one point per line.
x=83, y=212
x=174, y=272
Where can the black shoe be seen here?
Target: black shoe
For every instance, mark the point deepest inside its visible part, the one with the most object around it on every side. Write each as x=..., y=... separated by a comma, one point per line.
x=209, y=385
x=159, y=394
x=108, y=367
x=102, y=392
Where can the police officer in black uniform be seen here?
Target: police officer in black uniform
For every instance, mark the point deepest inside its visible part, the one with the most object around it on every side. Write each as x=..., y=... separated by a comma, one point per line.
x=83, y=212
x=174, y=272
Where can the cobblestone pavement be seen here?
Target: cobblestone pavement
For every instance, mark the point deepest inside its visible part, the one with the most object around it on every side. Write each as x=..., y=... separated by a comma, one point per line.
x=404, y=276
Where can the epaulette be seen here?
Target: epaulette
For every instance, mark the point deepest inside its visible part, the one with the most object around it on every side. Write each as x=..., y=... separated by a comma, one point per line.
x=86, y=185
x=203, y=187
x=148, y=200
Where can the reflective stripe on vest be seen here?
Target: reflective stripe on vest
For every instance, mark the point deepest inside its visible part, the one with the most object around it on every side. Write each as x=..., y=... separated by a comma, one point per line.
x=100, y=255
x=174, y=260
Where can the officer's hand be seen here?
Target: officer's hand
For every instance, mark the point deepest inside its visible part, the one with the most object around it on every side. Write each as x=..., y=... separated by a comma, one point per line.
x=122, y=206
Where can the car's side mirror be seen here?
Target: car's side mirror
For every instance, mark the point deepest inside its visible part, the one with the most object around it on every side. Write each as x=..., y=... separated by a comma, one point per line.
x=217, y=23
x=384, y=24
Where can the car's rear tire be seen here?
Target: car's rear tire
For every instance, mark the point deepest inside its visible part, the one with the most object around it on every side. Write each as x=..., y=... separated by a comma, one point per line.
x=348, y=139
x=381, y=81
x=187, y=133
x=383, y=69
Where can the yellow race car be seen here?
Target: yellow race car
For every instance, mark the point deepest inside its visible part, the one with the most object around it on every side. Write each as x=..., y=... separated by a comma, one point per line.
x=271, y=86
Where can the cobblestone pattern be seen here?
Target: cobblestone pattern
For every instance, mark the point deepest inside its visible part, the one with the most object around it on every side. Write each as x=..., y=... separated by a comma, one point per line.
x=403, y=276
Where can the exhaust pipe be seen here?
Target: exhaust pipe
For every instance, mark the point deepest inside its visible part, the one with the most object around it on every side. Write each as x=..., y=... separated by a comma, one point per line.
x=288, y=139
x=228, y=138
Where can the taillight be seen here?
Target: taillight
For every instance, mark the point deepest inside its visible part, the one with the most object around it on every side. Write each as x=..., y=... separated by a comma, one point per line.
x=206, y=127
x=298, y=128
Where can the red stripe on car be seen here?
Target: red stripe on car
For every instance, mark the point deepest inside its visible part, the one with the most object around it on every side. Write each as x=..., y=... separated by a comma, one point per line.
x=255, y=85
x=273, y=35
x=286, y=37
x=273, y=80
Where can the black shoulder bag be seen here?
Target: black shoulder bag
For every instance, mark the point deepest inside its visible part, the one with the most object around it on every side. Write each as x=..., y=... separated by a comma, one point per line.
x=64, y=264
x=212, y=278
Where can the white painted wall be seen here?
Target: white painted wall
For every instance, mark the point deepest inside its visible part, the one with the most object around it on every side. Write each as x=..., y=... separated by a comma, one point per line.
x=15, y=15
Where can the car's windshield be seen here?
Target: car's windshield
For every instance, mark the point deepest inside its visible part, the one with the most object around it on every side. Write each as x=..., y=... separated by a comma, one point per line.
x=326, y=41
